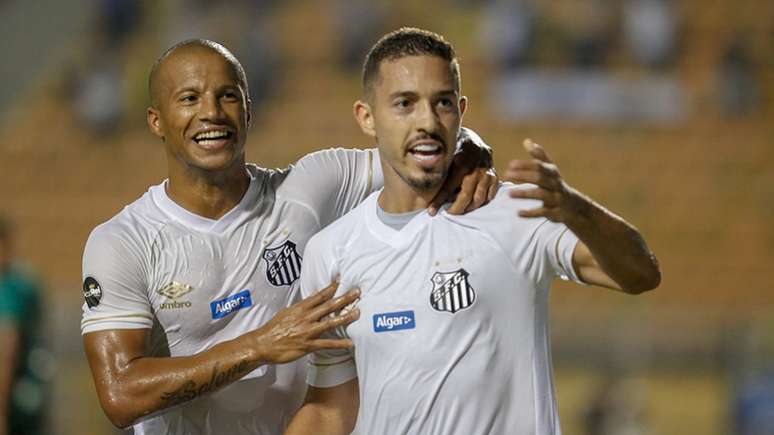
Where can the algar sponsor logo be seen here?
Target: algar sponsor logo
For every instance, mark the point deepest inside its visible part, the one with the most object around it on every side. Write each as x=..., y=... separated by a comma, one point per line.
x=384, y=322
x=223, y=307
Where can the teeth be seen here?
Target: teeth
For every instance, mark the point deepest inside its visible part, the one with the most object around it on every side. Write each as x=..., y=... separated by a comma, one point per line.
x=211, y=134
x=424, y=157
x=426, y=148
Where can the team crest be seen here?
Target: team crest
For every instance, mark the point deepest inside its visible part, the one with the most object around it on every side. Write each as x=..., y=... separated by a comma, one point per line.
x=451, y=291
x=283, y=264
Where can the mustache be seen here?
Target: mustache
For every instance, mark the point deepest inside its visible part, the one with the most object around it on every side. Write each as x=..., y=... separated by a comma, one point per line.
x=432, y=135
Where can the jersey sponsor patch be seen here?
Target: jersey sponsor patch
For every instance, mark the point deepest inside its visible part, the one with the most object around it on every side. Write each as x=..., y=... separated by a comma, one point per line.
x=396, y=321
x=92, y=292
x=283, y=264
x=226, y=306
x=451, y=291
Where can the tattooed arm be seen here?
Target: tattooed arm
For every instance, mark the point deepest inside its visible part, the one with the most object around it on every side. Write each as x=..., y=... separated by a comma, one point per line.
x=131, y=385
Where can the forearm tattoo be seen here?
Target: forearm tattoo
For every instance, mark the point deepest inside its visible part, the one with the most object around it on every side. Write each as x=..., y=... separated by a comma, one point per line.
x=190, y=390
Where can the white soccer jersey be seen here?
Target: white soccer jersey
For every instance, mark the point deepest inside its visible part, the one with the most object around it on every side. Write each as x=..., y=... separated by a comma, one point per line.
x=453, y=330
x=196, y=282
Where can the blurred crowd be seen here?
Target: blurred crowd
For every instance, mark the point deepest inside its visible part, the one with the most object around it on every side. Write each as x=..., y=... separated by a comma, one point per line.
x=558, y=58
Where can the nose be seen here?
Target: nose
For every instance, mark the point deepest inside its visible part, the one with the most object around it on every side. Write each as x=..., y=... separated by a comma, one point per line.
x=427, y=118
x=211, y=108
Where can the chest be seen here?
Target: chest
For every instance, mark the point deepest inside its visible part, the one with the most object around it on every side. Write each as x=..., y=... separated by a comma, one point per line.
x=443, y=290
x=206, y=287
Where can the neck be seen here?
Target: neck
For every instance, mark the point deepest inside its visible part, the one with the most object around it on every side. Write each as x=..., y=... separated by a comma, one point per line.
x=400, y=197
x=208, y=193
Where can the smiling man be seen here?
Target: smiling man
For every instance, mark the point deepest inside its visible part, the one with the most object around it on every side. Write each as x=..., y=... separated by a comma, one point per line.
x=453, y=333
x=187, y=324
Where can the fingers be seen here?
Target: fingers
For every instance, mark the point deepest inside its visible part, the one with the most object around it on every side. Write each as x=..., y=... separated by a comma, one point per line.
x=321, y=296
x=536, y=151
x=549, y=198
x=481, y=196
x=492, y=190
x=535, y=212
x=336, y=304
x=443, y=195
x=545, y=175
x=465, y=197
x=334, y=322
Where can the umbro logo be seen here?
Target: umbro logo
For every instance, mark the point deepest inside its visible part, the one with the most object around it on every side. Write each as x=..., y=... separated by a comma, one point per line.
x=174, y=291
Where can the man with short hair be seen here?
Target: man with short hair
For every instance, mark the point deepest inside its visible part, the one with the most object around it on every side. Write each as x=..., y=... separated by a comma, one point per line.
x=453, y=330
x=185, y=323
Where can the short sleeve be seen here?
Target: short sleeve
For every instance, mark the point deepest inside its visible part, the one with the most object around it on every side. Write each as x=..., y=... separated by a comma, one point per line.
x=333, y=181
x=114, y=284
x=542, y=248
x=332, y=367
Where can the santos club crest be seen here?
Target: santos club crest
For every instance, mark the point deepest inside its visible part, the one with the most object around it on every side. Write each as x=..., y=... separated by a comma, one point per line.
x=283, y=264
x=451, y=291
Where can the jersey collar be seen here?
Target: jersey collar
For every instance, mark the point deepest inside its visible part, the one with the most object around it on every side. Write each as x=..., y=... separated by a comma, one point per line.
x=201, y=223
x=387, y=234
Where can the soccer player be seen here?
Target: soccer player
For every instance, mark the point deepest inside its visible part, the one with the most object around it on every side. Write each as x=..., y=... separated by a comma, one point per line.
x=453, y=330
x=186, y=288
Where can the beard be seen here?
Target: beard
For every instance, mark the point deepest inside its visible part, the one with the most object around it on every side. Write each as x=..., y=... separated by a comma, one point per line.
x=426, y=182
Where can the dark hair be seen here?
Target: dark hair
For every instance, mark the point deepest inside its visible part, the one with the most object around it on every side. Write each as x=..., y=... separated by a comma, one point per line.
x=203, y=43
x=407, y=41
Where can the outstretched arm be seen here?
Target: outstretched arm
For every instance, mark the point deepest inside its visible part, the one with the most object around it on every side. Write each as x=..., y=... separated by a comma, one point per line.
x=327, y=411
x=611, y=252
x=131, y=385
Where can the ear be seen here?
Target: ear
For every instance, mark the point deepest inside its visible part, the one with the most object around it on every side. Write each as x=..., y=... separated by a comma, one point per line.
x=463, y=105
x=364, y=117
x=249, y=109
x=154, y=122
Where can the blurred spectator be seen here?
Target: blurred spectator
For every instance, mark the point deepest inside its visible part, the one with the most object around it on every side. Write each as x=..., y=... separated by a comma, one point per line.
x=650, y=29
x=738, y=87
x=258, y=50
x=588, y=28
x=98, y=96
x=24, y=366
x=615, y=409
x=99, y=91
x=358, y=25
x=507, y=33
x=251, y=32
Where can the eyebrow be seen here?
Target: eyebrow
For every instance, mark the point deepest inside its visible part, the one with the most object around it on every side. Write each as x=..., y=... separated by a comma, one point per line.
x=445, y=92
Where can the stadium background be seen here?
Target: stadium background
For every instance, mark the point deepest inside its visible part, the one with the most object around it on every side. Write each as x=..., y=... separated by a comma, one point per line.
x=672, y=131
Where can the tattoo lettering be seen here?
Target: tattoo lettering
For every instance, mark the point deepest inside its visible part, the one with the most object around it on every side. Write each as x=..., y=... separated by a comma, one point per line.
x=189, y=390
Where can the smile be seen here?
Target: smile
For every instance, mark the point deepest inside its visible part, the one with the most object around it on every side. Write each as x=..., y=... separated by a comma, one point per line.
x=426, y=152
x=213, y=138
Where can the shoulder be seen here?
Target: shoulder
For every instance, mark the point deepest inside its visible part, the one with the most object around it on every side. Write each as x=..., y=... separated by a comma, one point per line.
x=136, y=225
x=502, y=204
x=330, y=163
x=501, y=215
x=343, y=231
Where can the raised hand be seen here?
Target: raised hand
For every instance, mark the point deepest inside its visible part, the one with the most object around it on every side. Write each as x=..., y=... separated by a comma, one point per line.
x=296, y=330
x=557, y=196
